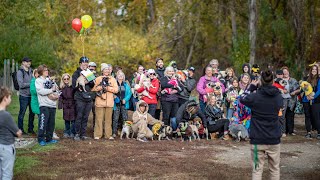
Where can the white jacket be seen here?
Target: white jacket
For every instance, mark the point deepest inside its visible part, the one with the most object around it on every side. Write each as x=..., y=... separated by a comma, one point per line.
x=43, y=92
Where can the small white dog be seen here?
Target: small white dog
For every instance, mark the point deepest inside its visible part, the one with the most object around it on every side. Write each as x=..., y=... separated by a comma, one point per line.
x=165, y=132
x=127, y=129
x=81, y=81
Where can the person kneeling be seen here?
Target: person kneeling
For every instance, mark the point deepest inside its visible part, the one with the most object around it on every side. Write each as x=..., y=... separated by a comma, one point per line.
x=216, y=123
x=141, y=119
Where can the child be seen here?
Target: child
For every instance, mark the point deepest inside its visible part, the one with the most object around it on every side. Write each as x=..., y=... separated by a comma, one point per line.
x=141, y=119
x=66, y=102
x=216, y=122
x=8, y=130
x=232, y=94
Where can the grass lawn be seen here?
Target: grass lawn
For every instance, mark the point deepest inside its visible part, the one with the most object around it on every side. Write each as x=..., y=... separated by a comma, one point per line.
x=14, y=110
x=24, y=160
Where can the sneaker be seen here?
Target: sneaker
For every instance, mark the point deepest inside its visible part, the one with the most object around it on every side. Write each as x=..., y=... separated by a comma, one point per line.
x=114, y=135
x=318, y=136
x=55, y=136
x=96, y=138
x=292, y=134
x=42, y=143
x=76, y=137
x=308, y=136
x=71, y=135
x=83, y=138
x=66, y=135
x=111, y=138
x=53, y=141
x=284, y=135
x=144, y=139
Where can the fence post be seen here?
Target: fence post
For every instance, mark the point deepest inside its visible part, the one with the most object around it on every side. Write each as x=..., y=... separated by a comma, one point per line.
x=8, y=74
x=4, y=72
x=12, y=70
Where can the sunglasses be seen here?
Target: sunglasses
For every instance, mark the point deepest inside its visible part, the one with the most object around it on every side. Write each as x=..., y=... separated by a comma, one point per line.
x=66, y=79
x=152, y=74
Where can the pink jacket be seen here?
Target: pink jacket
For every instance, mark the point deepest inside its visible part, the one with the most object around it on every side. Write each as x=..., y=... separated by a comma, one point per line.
x=203, y=81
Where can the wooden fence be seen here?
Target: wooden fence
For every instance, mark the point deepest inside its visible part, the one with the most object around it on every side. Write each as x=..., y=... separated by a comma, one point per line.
x=9, y=66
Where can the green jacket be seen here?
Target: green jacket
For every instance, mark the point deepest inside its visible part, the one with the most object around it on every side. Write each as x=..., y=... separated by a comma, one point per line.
x=34, y=97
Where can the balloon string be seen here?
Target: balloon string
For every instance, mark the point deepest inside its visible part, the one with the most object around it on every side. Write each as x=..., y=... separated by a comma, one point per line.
x=82, y=40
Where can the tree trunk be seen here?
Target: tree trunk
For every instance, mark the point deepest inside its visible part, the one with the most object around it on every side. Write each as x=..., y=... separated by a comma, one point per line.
x=191, y=49
x=297, y=10
x=151, y=10
x=233, y=21
x=253, y=30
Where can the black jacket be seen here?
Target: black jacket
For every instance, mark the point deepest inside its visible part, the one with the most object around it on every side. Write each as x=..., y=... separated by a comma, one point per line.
x=81, y=95
x=160, y=72
x=187, y=87
x=182, y=115
x=265, y=105
x=169, y=97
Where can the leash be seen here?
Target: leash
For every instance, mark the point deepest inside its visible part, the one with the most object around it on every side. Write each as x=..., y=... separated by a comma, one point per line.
x=255, y=157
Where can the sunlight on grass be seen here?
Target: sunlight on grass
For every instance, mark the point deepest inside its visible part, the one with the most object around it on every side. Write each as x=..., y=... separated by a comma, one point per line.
x=14, y=110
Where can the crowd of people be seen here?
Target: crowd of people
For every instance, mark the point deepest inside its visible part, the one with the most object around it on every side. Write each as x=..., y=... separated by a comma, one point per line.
x=256, y=105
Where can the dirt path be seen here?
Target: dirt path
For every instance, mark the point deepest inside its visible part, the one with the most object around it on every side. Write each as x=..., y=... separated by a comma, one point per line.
x=130, y=159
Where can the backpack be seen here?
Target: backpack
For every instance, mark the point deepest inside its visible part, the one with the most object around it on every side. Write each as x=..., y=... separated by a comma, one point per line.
x=15, y=79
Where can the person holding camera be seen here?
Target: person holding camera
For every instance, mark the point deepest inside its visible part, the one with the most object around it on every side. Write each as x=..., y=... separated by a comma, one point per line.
x=188, y=84
x=121, y=102
x=83, y=100
x=106, y=87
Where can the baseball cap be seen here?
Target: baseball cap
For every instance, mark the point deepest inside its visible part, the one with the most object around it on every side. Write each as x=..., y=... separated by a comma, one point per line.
x=26, y=59
x=92, y=64
x=279, y=72
x=191, y=69
x=83, y=59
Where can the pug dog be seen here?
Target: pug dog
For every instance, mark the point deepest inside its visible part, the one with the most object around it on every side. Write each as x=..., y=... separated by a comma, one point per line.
x=164, y=132
x=127, y=129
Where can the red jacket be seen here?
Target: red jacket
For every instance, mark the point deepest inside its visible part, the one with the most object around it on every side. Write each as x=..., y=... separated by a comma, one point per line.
x=152, y=92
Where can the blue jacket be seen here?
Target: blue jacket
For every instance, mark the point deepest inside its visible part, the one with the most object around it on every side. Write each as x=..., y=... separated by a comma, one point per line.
x=127, y=96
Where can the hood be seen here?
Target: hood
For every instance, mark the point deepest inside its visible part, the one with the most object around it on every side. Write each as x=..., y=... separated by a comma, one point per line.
x=138, y=109
x=269, y=90
x=248, y=65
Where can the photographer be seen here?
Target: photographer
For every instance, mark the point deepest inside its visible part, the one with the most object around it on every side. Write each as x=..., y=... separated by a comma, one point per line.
x=83, y=101
x=105, y=86
x=265, y=132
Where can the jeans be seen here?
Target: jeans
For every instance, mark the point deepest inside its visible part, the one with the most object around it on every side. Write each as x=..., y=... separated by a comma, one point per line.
x=83, y=110
x=222, y=125
x=308, y=116
x=169, y=110
x=119, y=111
x=24, y=103
x=46, y=123
x=202, y=106
x=316, y=116
x=93, y=114
x=289, y=121
x=152, y=110
x=230, y=113
x=134, y=103
x=173, y=122
x=69, y=127
x=7, y=158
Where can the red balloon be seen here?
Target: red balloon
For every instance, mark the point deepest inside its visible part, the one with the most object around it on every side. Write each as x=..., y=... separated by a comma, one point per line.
x=77, y=24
